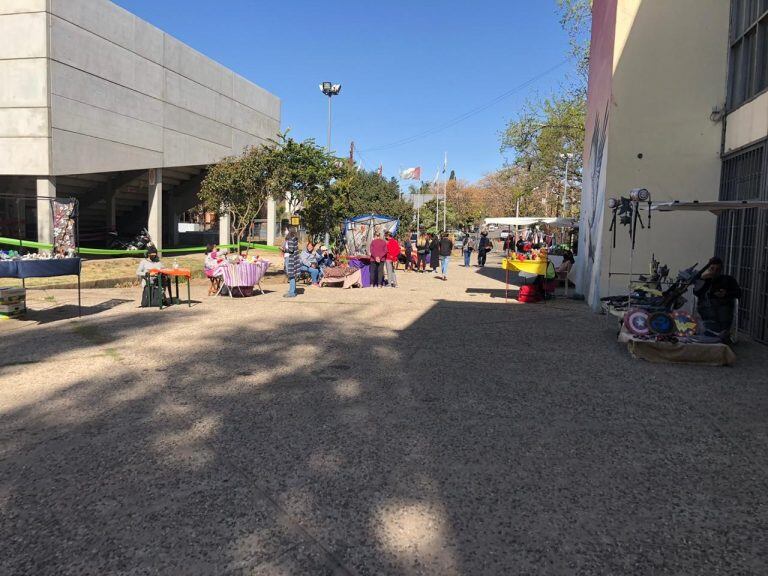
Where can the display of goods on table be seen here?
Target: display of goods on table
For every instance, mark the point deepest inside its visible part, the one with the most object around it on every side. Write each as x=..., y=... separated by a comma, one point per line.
x=13, y=302
x=531, y=262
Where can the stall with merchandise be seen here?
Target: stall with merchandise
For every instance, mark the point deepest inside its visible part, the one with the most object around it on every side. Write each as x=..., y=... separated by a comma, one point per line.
x=61, y=260
x=658, y=317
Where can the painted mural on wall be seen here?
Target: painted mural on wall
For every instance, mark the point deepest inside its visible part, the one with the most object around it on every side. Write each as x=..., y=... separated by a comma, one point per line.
x=593, y=208
x=599, y=101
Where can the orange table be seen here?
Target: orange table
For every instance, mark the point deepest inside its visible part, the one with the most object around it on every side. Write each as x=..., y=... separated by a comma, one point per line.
x=174, y=273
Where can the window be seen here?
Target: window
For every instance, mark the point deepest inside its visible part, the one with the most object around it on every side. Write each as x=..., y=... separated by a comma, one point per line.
x=749, y=50
x=742, y=235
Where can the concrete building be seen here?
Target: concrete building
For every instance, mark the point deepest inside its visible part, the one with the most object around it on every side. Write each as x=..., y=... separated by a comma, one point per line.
x=97, y=104
x=678, y=104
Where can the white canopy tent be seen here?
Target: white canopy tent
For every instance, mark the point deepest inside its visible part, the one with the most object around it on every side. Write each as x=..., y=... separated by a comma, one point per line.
x=530, y=221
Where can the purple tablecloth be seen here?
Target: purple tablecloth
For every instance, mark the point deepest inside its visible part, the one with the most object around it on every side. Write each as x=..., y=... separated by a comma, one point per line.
x=365, y=270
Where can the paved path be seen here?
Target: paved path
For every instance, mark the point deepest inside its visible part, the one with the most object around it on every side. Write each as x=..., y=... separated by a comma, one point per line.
x=431, y=429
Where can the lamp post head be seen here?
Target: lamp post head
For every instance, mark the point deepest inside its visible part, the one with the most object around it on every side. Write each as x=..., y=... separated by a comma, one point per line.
x=330, y=89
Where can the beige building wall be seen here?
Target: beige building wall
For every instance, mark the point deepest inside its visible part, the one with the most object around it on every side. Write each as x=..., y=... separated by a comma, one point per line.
x=670, y=70
x=86, y=87
x=747, y=124
x=24, y=113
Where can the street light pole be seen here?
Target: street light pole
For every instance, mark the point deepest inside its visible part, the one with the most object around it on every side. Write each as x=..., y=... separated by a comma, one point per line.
x=330, y=120
x=565, y=186
x=330, y=89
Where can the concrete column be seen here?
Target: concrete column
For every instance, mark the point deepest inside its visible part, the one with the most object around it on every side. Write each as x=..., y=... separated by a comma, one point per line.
x=271, y=224
x=46, y=188
x=110, y=210
x=155, y=220
x=225, y=224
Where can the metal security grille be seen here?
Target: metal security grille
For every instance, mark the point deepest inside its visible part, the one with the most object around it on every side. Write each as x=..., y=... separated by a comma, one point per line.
x=742, y=236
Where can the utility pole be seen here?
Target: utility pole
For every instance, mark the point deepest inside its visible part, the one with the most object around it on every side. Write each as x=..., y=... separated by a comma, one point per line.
x=565, y=184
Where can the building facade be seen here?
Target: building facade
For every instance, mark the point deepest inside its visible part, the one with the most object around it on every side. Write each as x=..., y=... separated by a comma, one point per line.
x=677, y=104
x=97, y=104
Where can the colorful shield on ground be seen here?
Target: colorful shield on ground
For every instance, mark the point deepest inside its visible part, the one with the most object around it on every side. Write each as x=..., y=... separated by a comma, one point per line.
x=661, y=323
x=636, y=321
x=685, y=324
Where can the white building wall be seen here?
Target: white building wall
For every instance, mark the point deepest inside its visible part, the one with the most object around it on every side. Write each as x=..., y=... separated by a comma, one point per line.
x=123, y=95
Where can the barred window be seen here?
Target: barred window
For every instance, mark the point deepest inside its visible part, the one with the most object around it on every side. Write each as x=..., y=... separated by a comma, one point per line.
x=742, y=235
x=749, y=50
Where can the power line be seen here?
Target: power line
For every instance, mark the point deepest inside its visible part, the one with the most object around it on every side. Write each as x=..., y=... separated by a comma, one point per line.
x=469, y=114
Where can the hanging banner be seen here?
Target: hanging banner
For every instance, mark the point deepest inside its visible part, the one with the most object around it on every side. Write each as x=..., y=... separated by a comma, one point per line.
x=64, y=228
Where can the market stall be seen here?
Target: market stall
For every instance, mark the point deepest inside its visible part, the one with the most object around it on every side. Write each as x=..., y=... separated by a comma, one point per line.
x=358, y=234
x=653, y=323
x=361, y=230
x=62, y=259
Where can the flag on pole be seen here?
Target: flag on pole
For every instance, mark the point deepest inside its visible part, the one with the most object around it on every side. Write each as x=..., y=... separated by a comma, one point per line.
x=380, y=171
x=411, y=173
x=445, y=163
x=437, y=177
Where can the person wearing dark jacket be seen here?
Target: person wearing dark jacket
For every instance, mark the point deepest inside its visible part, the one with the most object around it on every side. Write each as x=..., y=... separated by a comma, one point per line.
x=717, y=294
x=483, y=247
x=408, y=253
x=292, y=263
x=434, y=252
x=446, y=248
x=378, y=251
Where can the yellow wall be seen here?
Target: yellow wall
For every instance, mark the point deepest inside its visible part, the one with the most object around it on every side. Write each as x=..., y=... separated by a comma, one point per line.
x=670, y=69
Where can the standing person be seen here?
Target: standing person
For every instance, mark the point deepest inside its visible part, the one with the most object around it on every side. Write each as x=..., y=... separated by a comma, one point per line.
x=393, y=253
x=408, y=253
x=467, y=248
x=434, y=252
x=446, y=248
x=291, y=249
x=422, y=246
x=483, y=247
x=378, y=252
x=509, y=244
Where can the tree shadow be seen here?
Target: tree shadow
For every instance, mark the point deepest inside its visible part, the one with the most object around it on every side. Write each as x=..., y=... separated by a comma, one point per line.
x=331, y=446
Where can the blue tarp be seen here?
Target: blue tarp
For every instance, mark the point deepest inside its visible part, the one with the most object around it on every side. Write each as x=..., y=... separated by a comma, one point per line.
x=40, y=268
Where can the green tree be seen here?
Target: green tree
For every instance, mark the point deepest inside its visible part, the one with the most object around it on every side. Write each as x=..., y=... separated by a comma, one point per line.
x=354, y=193
x=299, y=171
x=237, y=186
x=576, y=20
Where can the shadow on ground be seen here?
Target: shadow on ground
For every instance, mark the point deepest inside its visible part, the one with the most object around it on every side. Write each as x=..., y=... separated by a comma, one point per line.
x=482, y=439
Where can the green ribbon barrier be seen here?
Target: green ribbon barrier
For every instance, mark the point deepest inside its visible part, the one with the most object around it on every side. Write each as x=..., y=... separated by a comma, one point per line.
x=107, y=252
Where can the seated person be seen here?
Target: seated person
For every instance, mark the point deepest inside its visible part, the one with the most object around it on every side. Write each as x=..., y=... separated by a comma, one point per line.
x=325, y=259
x=717, y=294
x=565, y=268
x=212, y=262
x=308, y=262
x=151, y=262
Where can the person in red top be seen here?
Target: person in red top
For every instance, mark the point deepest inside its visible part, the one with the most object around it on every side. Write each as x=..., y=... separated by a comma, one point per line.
x=378, y=253
x=393, y=253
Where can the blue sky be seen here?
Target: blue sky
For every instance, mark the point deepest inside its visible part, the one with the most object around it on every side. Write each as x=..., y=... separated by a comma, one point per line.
x=405, y=68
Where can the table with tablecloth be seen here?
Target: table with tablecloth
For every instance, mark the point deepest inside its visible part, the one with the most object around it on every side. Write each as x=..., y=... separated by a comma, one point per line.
x=243, y=276
x=46, y=268
x=43, y=268
x=362, y=263
x=681, y=352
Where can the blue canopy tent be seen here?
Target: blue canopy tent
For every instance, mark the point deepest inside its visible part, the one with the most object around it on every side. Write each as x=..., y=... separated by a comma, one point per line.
x=361, y=230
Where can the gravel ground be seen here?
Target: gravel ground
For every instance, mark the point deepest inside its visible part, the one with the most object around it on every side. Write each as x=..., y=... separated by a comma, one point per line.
x=431, y=429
